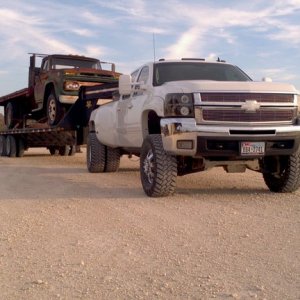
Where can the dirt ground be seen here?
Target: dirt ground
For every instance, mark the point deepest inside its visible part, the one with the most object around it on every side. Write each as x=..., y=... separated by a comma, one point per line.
x=68, y=234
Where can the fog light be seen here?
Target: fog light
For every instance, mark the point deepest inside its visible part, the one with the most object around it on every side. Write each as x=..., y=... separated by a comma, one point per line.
x=185, y=144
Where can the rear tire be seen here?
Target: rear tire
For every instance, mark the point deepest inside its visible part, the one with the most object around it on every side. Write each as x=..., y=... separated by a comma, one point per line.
x=112, y=159
x=157, y=168
x=2, y=145
x=287, y=178
x=20, y=147
x=95, y=154
x=53, y=150
x=64, y=150
x=72, y=150
x=11, y=146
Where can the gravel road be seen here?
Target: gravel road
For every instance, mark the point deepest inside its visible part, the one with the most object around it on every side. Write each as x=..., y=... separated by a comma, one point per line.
x=68, y=234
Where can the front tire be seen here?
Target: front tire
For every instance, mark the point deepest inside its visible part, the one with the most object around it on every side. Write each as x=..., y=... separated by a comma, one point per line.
x=55, y=110
x=287, y=178
x=157, y=168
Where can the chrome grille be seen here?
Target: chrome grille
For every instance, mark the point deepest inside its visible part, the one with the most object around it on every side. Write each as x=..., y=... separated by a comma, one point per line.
x=242, y=97
x=238, y=115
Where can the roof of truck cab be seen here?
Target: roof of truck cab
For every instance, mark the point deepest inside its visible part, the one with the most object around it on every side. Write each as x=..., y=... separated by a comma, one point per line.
x=194, y=60
x=81, y=57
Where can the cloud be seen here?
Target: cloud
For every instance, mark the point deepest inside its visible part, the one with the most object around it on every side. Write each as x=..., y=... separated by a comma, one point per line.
x=207, y=23
x=96, y=19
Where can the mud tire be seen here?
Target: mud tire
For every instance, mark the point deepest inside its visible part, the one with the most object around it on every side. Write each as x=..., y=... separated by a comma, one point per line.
x=158, y=169
x=288, y=178
x=95, y=154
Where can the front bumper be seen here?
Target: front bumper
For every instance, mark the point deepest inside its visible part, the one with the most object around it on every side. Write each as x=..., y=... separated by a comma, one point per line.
x=182, y=136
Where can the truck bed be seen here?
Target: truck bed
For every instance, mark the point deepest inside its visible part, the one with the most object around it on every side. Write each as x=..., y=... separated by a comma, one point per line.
x=21, y=94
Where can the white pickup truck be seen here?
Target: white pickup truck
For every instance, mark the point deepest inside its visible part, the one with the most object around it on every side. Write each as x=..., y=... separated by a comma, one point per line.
x=190, y=115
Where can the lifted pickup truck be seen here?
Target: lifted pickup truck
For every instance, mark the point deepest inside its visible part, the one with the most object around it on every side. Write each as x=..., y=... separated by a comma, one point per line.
x=190, y=115
x=53, y=87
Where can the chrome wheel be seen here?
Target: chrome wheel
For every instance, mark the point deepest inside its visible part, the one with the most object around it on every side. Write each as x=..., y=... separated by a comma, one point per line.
x=148, y=166
x=52, y=110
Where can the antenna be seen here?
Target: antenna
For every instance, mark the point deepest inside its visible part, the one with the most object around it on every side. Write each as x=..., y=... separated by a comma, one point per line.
x=154, y=46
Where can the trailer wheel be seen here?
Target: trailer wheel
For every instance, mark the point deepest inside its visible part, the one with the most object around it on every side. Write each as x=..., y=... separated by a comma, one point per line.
x=54, y=109
x=53, y=150
x=20, y=147
x=95, y=154
x=64, y=150
x=72, y=150
x=11, y=146
x=2, y=145
x=10, y=115
x=157, y=168
x=112, y=159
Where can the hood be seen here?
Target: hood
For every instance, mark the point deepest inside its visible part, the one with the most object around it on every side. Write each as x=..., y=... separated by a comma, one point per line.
x=193, y=86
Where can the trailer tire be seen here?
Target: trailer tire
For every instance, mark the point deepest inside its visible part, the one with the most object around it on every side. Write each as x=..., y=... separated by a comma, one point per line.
x=158, y=169
x=95, y=154
x=2, y=145
x=20, y=147
x=112, y=159
x=11, y=146
x=54, y=109
x=53, y=150
x=10, y=115
x=64, y=150
x=72, y=150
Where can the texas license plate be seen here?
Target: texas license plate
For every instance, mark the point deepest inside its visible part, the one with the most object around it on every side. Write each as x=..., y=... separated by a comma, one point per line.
x=252, y=148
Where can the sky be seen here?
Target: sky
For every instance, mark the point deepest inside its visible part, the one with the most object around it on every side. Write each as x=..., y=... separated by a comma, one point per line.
x=261, y=37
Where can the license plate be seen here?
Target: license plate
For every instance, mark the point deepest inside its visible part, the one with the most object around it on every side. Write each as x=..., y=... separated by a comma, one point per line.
x=252, y=148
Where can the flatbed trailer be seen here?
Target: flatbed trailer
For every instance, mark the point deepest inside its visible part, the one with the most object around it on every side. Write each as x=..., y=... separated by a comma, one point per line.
x=63, y=138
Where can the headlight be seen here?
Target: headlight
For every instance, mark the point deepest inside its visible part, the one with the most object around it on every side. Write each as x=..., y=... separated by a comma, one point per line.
x=181, y=105
x=71, y=86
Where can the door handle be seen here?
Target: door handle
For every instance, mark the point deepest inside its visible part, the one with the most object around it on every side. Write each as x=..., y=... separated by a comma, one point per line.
x=129, y=105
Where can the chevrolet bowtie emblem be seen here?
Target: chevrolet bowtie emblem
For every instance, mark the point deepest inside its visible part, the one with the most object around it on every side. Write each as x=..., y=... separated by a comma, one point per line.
x=250, y=106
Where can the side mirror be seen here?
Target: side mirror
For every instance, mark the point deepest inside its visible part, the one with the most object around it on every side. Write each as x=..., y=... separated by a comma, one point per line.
x=267, y=79
x=125, y=85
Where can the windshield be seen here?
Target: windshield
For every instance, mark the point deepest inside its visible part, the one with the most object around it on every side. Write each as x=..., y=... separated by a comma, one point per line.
x=174, y=71
x=67, y=63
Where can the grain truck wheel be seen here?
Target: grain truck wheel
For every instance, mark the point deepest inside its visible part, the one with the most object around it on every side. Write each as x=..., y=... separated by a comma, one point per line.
x=11, y=146
x=158, y=169
x=95, y=154
x=54, y=110
x=287, y=177
x=112, y=159
x=2, y=145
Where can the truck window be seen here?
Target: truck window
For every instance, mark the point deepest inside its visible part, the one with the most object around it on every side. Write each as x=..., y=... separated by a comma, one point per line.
x=71, y=63
x=45, y=65
x=134, y=75
x=165, y=72
x=144, y=75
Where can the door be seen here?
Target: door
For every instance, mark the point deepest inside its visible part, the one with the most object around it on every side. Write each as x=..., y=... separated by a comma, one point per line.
x=130, y=110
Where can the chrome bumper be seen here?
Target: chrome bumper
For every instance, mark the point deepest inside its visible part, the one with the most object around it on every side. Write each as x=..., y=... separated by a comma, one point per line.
x=176, y=130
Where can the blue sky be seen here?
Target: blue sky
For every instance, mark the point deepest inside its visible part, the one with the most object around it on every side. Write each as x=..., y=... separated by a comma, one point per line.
x=261, y=37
